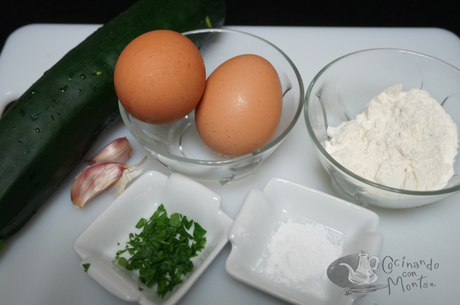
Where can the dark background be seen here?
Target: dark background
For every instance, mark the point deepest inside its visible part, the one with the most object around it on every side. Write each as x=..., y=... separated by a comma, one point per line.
x=352, y=13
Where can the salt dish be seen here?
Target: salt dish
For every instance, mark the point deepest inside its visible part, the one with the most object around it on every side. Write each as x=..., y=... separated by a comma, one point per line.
x=292, y=242
x=99, y=243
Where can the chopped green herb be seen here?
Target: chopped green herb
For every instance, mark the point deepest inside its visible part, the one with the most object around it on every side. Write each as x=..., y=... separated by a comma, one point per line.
x=86, y=267
x=141, y=223
x=2, y=244
x=162, y=250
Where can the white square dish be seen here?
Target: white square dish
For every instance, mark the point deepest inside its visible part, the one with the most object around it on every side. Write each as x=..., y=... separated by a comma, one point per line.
x=99, y=243
x=330, y=228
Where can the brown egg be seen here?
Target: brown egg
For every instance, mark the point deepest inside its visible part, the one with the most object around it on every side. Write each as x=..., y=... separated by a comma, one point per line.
x=159, y=77
x=241, y=106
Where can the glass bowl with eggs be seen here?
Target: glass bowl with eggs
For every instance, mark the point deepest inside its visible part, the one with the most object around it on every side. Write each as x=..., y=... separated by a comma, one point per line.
x=216, y=109
x=383, y=123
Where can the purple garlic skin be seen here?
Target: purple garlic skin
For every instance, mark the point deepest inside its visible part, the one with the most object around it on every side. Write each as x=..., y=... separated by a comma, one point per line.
x=119, y=150
x=93, y=180
x=100, y=176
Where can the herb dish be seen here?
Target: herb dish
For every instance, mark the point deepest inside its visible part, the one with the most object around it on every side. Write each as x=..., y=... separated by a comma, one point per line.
x=109, y=233
x=285, y=238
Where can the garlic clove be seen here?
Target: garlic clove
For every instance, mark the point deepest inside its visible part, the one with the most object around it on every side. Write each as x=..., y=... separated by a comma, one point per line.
x=119, y=150
x=129, y=174
x=93, y=180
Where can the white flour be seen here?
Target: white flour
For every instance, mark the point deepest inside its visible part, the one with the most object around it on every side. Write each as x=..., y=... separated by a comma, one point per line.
x=403, y=140
x=298, y=255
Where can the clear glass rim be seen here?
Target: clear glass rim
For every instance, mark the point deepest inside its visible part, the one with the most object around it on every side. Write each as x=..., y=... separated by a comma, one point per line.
x=330, y=159
x=273, y=142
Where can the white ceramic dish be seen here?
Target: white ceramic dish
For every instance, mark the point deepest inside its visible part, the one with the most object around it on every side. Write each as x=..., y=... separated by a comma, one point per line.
x=98, y=244
x=351, y=227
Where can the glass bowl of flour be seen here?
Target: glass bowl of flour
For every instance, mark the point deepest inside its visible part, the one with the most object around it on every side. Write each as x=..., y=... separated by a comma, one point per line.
x=384, y=124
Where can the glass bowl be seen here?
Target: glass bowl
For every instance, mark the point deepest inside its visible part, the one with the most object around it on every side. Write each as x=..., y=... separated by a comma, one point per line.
x=343, y=88
x=178, y=145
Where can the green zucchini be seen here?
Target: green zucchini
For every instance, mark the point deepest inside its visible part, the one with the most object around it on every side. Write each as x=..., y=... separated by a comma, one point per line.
x=48, y=130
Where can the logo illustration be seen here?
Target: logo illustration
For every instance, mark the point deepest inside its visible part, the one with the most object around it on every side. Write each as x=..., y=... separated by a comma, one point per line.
x=355, y=273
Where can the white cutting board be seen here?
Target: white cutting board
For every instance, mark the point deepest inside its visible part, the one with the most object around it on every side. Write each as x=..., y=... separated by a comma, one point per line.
x=40, y=267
